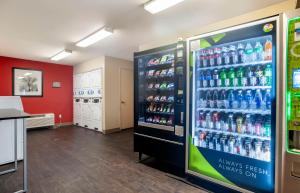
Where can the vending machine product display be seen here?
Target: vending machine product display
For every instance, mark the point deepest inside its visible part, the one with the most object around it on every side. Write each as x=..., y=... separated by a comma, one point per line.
x=232, y=113
x=160, y=103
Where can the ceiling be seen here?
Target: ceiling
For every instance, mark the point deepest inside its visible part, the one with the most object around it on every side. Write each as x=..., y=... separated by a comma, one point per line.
x=38, y=29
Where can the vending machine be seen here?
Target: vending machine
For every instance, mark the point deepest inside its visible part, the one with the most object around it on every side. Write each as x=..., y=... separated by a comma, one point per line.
x=160, y=76
x=291, y=163
x=231, y=131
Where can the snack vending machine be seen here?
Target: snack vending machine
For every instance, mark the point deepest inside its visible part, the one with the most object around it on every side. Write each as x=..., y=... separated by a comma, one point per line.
x=231, y=134
x=160, y=103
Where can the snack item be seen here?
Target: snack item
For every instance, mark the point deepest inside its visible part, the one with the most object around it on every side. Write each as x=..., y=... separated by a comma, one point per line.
x=163, y=59
x=153, y=61
x=170, y=121
x=163, y=98
x=150, y=85
x=170, y=58
x=170, y=86
x=149, y=119
x=157, y=85
x=171, y=99
x=157, y=73
x=164, y=72
x=156, y=119
x=163, y=121
x=170, y=72
x=150, y=98
x=156, y=99
x=163, y=86
x=150, y=73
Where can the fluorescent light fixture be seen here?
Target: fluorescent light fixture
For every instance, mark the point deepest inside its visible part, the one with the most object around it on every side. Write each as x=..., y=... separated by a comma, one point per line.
x=61, y=55
x=28, y=74
x=95, y=37
x=155, y=6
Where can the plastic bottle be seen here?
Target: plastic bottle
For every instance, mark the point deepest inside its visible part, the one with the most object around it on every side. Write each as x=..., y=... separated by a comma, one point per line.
x=215, y=99
x=258, y=99
x=258, y=125
x=233, y=55
x=231, y=123
x=258, y=52
x=218, y=56
x=267, y=126
x=241, y=53
x=231, y=76
x=248, y=99
x=259, y=76
x=248, y=124
x=208, y=99
x=203, y=58
x=201, y=78
x=249, y=52
x=231, y=99
x=239, y=98
x=225, y=56
x=198, y=59
x=211, y=57
x=223, y=77
x=239, y=124
x=268, y=75
x=209, y=123
x=268, y=50
x=222, y=104
x=208, y=77
x=267, y=100
x=249, y=75
x=240, y=77
x=204, y=81
x=215, y=79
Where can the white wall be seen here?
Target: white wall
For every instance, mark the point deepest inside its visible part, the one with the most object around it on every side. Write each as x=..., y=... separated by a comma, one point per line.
x=251, y=16
x=112, y=90
x=89, y=65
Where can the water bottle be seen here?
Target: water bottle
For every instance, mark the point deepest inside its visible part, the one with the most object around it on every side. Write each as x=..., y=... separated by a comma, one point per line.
x=233, y=55
x=259, y=76
x=215, y=99
x=231, y=99
x=239, y=98
x=231, y=123
x=241, y=53
x=215, y=79
x=198, y=59
x=249, y=75
x=248, y=99
x=208, y=99
x=258, y=54
x=267, y=100
x=218, y=56
x=208, y=77
x=209, y=123
x=248, y=125
x=225, y=56
x=258, y=99
x=201, y=79
x=268, y=75
x=204, y=81
x=231, y=76
x=249, y=52
x=203, y=58
x=211, y=57
x=222, y=102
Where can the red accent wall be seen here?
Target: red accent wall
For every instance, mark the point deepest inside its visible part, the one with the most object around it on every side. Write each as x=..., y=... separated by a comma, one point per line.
x=55, y=100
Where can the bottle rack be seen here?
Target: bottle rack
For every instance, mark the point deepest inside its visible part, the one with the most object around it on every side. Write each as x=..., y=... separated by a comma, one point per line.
x=235, y=65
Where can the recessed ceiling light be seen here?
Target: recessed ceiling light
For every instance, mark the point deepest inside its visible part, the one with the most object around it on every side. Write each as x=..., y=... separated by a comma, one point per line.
x=61, y=55
x=155, y=6
x=95, y=37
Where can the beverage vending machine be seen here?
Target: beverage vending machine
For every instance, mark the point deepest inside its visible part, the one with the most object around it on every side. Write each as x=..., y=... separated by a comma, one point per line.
x=231, y=135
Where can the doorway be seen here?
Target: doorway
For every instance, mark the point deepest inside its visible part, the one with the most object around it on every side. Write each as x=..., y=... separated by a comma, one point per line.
x=126, y=98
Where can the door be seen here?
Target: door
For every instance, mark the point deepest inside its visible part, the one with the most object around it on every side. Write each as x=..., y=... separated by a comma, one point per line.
x=126, y=98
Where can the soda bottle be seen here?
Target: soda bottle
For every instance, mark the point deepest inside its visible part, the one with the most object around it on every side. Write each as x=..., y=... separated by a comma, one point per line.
x=204, y=58
x=218, y=56
x=215, y=99
x=258, y=99
x=258, y=125
x=248, y=99
x=222, y=104
x=239, y=124
x=266, y=151
x=201, y=79
x=249, y=75
x=225, y=56
x=267, y=100
x=231, y=76
x=202, y=119
x=211, y=57
x=208, y=119
x=248, y=125
x=231, y=123
x=239, y=98
x=233, y=55
x=267, y=126
x=198, y=59
x=268, y=50
x=259, y=76
x=208, y=99
x=241, y=53
x=216, y=121
x=240, y=77
x=249, y=52
x=205, y=82
x=208, y=77
x=231, y=99
x=238, y=146
x=258, y=52
x=231, y=142
x=223, y=122
x=268, y=75
x=257, y=149
x=215, y=79
x=223, y=77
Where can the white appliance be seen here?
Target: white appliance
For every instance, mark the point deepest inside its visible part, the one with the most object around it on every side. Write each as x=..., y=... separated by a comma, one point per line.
x=7, y=133
x=88, y=99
